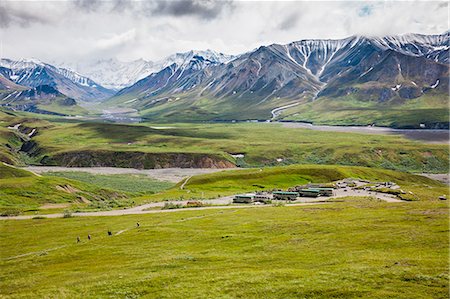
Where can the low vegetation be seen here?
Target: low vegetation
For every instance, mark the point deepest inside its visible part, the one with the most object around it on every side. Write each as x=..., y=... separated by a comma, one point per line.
x=74, y=143
x=21, y=191
x=348, y=110
x=353, y=249
x=132, y=183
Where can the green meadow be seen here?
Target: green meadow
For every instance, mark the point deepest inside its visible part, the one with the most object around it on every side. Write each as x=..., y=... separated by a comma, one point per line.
x=347, y=248
x=350, y=110
x=132, y=183
x=61, y=141
x=358, y=248
x=22, y=191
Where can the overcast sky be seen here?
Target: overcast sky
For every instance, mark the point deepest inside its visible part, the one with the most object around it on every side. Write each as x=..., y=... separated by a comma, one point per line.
x=84, y=30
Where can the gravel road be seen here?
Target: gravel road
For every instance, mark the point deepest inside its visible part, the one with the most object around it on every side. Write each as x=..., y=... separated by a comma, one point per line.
x=218, y=203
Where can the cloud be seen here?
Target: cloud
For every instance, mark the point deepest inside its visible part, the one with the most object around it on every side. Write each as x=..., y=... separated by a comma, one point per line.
x=116, y=39
x=207, y=9
x=88, y=5
x=120, y=6
x=87, y=30
x=365, y=10
x=289, y=22
x=10, y=16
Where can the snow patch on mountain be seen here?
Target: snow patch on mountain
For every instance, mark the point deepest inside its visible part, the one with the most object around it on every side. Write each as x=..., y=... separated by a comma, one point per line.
x=115, y=74
x=413, y=44
x=25, y=68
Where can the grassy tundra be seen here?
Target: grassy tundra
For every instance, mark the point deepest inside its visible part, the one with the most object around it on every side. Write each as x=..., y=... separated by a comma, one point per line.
x=83, y=191
x=352, y=249
x=75, y=143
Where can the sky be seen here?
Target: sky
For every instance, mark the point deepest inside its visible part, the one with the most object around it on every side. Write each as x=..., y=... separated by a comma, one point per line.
x=87, y=30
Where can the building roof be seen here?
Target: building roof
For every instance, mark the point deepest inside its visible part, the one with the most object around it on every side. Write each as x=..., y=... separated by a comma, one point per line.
x=285, y=193
x=310, y=190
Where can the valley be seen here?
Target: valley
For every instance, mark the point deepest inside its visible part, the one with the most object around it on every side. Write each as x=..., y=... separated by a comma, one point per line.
x=357, y=80
x=309, y=159
x=74, y=143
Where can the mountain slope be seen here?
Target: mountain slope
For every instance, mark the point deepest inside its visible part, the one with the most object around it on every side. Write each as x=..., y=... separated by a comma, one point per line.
x=43, y=99
x=115, y=74
x=286, y=81
x=34, y=73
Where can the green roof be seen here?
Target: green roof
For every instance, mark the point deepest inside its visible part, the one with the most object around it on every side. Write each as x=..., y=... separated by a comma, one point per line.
x=285, y=193
x=320, y=189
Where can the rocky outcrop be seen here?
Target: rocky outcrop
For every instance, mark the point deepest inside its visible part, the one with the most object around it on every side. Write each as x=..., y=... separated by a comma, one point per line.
x=137, y=160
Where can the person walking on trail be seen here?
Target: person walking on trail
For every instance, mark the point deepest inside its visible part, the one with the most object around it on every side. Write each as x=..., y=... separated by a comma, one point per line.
x=78, y=239
x=89, y=237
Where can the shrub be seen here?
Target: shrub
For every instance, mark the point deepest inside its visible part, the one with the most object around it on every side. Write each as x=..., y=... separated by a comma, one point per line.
x=170, y=205
x=67, y=214
x=10, y=212
x=408, y=197
x=194, y=204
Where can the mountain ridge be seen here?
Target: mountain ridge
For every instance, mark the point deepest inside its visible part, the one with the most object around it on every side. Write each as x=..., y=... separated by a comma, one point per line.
x=285, y=74
x=387, y=72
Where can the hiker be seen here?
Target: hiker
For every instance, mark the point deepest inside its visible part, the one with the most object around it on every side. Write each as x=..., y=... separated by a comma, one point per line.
x=78, y=239
x=89, y=237
x=137, y=224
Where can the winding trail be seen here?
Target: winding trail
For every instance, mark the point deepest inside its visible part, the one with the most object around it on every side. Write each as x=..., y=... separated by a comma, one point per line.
x=275, y=112
x=185, y=182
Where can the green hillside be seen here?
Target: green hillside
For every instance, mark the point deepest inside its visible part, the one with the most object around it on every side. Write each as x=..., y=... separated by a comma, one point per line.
x=430, y=109
x=21, y=191
x=74, y=143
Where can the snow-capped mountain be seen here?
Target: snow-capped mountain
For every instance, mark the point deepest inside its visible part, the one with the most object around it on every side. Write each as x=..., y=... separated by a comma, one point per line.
x=210, y=85
x=32, y=73
x=115, y=74
x=112, y=73
x=175, y=68
x=418, y=45
x=392, y=68
x=181, y=59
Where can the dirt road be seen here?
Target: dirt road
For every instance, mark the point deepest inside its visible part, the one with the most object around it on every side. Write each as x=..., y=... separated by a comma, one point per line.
x=218, y=203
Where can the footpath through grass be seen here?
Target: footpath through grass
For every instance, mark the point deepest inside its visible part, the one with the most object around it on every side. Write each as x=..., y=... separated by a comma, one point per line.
x=352, y=249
